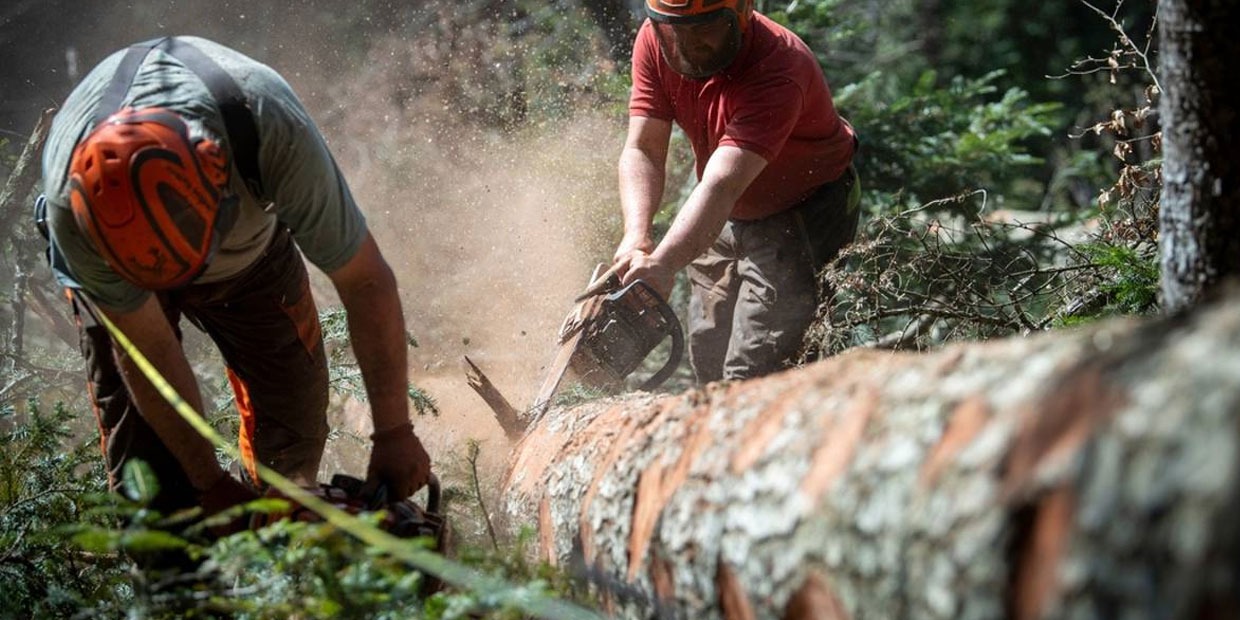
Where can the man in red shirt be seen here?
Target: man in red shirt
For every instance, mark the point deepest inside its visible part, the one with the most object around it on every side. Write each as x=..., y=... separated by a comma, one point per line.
x=776, y=197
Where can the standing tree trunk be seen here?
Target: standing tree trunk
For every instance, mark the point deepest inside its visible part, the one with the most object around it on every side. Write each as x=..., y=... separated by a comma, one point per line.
x=1082, y=474
x=1200, y=211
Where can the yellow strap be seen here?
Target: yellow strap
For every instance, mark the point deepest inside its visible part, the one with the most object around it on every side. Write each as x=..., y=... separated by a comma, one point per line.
x=405, y=550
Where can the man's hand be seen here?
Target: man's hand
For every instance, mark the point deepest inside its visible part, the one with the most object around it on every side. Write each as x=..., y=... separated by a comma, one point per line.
x=630, y=244
x=226, y=493
x=397, y=461
x=638, y=265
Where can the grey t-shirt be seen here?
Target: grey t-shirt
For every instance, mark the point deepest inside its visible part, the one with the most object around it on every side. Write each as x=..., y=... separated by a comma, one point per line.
x=303, y=187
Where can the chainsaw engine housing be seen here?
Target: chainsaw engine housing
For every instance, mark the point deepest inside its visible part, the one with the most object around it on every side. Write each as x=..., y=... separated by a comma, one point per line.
x=629, y=324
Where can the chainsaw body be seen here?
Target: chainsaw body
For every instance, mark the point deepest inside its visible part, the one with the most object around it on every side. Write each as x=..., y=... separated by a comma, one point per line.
x=625, y=328
x=609, y=333
x=403, y=518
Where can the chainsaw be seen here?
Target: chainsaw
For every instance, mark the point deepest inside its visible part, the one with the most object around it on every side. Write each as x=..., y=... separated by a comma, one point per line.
x=609, y=333
x=403, y=518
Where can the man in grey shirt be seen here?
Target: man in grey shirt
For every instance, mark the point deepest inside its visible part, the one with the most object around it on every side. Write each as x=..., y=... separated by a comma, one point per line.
x=153, y=214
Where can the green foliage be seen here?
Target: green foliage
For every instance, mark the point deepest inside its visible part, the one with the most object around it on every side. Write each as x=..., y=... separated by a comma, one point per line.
x=512, y=564
x=44, y=489
x=939, y=260
x=1032, y=41
x=345, y=377
x=506, y=65
x=933, y=142
x=68, y=547
x=562, y=56
x=1125, y=282
x=313, y=570
x=913, y=281
x=309, y=569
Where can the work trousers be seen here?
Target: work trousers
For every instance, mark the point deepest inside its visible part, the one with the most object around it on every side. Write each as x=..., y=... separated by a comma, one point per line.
x=266, y=327
x=755, y=291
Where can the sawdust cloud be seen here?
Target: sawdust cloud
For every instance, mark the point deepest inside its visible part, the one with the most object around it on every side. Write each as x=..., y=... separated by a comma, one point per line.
x=491, y=232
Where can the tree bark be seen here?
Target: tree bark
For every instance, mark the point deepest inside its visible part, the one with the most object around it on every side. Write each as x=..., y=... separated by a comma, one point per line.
x=1200, y=210
x=1085, y=474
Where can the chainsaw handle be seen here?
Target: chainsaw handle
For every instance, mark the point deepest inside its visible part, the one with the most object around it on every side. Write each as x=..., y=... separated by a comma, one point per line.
x=678, y=341
x=434, y=496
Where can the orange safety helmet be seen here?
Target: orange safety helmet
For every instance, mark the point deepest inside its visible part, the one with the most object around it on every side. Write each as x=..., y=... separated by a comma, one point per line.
x=699, y=38
x=688, y=11
x=154, y=202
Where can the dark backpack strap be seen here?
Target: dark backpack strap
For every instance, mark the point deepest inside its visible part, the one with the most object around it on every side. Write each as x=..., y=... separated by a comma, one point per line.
x=233, y=106
x=114, y=94
x=231, y=102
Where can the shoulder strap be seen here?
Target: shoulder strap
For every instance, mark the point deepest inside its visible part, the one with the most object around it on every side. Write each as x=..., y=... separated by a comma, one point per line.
x=231, y=102
x=233, y=106
x=114, y=94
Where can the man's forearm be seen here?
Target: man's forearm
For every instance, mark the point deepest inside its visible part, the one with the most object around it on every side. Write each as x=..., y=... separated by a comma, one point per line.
x=641, y=189
x=149, y=331
x=377, y=330
x=695, y=228
x=728, y=173
x=194, y=452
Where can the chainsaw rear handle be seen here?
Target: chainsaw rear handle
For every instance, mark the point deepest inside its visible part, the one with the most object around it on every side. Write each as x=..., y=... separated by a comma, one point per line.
x=678, y=338
x=434, y=495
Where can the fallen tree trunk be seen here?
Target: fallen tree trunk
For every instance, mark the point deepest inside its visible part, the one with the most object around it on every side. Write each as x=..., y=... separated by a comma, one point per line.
x=1085, y=474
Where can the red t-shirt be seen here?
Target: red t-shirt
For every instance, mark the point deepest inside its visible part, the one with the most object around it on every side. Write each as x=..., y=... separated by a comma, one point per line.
x=772, y=100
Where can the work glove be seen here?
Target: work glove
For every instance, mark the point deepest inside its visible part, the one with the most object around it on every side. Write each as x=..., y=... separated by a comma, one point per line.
x=226, y=493
x=399, y=464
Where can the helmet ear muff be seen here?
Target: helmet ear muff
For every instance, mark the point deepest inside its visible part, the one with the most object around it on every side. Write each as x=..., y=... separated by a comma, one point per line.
x=151, y=199
x=215, y=167
x=213, y=161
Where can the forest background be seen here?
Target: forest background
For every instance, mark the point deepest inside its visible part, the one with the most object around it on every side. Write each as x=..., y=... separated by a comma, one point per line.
x=1010, y=168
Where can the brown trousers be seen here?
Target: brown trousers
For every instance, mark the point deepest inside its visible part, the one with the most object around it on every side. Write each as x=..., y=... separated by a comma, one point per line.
x=266, y=326
x=755, y=291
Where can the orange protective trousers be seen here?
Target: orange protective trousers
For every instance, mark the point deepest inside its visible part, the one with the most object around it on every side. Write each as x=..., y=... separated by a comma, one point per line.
x=265, y=325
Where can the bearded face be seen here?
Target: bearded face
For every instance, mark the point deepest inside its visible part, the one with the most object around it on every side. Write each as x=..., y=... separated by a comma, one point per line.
x=700, y=47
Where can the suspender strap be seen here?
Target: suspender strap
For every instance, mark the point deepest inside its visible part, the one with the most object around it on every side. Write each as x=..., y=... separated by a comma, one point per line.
x=114, y=94
x=234, y=109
